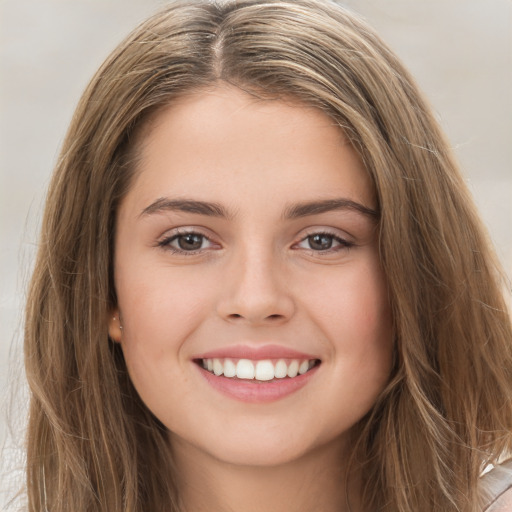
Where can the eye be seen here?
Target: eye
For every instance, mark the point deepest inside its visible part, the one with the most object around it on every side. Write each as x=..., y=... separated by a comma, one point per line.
x=319, y=242
x=190, y=242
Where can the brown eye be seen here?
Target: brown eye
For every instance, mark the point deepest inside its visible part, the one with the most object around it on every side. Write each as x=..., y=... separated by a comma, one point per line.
x=186, y=243
x=189, y=242
x=320, y=241
x=324, y=243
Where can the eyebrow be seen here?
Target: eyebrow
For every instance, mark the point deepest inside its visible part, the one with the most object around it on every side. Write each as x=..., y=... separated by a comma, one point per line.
x=165, y=204
x=293, y=211
x=316, y=207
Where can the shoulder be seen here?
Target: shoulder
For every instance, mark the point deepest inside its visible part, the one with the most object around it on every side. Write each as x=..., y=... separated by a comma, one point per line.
x=503, y=503
x=497, y=485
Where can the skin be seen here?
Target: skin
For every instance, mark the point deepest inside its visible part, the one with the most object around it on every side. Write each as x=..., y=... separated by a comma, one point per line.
x=257, y=278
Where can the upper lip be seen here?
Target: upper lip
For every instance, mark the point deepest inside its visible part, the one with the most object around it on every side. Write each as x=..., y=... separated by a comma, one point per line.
x=255, y=353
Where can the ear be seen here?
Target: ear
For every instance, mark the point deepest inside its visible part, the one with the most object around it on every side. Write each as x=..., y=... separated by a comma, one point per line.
x=115, y=329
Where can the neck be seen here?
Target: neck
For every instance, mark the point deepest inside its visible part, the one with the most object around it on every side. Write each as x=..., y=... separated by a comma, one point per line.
x=316, y=481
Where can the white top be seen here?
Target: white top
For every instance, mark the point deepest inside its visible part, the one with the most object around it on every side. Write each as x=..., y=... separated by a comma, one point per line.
x=497, y=484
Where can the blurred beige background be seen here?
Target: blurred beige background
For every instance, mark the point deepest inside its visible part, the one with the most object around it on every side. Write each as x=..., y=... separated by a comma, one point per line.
x=459, y=50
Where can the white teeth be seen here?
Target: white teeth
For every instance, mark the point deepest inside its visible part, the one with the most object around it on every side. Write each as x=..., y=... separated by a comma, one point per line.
x=229, y=368
x=264, y=370
x=281, y=369
x=304, y=367
x=218, y=368
x=245, y=369
x=293, y=369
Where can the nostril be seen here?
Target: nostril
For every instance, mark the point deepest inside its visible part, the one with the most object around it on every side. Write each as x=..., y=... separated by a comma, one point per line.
x=269, y=317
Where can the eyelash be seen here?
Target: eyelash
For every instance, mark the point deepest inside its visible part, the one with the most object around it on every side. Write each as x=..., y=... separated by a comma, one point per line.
x=343, y=244
x=166, y=242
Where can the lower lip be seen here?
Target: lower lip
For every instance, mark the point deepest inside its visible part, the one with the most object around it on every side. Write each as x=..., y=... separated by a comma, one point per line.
x=254, y=391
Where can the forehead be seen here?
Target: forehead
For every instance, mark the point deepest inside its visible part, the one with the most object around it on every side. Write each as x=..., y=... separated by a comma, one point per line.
x=222, y=139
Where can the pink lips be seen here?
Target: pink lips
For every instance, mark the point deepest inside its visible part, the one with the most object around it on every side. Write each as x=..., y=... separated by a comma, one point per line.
x=255, y=353
x=252, y=391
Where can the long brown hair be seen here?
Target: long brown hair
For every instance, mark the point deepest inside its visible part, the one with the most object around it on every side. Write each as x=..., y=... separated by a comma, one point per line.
x=447, y=411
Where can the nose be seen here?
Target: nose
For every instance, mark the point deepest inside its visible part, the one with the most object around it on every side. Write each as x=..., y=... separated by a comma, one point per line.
x=255, y=291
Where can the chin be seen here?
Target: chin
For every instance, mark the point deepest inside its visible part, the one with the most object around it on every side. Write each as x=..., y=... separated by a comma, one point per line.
x=242, y=445
x=259, y=456
x=263, y=447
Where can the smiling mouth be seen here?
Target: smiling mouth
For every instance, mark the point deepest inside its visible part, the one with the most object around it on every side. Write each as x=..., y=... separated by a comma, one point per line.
x=264, y=370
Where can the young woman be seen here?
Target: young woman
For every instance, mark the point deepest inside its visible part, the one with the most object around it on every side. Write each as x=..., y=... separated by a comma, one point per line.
x=262, y=284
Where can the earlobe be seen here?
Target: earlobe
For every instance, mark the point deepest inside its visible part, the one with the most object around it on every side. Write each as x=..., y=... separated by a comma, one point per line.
x=115, y=329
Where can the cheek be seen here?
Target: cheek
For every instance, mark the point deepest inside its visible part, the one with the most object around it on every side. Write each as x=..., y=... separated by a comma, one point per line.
x=161, y=304
x=159, y=311
x=354, y=304
x=354, y=315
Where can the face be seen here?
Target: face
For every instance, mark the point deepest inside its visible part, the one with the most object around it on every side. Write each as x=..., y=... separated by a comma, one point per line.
x=248, y=245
